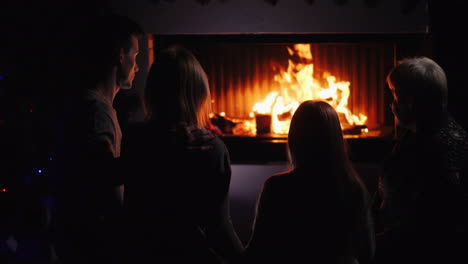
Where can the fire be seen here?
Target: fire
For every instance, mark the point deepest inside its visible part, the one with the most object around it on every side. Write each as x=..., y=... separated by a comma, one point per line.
x=297, y=84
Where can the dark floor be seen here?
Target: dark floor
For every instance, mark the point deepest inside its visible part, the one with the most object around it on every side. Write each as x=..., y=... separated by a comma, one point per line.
x=246, y=184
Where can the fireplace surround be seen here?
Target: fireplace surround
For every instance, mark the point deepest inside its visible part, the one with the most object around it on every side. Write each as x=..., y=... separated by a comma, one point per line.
x=244, y=68
x=235, y=40
x=402, y=26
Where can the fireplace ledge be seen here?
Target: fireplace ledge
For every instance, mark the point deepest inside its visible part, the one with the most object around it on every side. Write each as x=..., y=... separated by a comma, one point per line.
x=272, y=148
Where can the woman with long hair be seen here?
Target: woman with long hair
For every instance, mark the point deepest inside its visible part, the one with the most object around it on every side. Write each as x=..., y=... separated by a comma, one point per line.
x=178, y=170
x=319, y=209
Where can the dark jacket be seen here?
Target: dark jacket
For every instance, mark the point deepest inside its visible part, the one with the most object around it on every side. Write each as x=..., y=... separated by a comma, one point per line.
x=424, y=193
x=177, y=184
x=301, y=220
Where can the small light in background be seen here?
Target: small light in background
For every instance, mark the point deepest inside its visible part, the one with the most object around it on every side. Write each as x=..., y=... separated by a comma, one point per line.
x=40, y=171
x=3, y=190
x=50, y=158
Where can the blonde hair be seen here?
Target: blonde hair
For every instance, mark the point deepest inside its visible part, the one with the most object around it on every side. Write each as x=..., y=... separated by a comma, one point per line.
x=177, y=89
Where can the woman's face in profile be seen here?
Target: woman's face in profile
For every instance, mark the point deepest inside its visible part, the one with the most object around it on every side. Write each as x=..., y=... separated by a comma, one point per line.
x=401, y=112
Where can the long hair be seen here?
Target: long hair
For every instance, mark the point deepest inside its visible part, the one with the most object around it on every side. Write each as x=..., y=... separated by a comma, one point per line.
x=316, y=144
x=177, y=89
x=420, y=87
x=318, y=155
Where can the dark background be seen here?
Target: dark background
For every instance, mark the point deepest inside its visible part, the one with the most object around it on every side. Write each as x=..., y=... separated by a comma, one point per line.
x=36, y=58
x=36, y=66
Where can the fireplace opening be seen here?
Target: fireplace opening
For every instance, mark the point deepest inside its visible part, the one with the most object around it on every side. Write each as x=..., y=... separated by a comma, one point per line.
x=257, y=81
x=259, y=86
x=256, y=86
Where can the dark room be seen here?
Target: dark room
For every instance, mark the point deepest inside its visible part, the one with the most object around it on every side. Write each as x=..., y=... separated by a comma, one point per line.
x=233, y=131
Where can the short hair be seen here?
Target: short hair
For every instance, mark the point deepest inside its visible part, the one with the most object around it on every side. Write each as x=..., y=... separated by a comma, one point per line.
x=102, y=38
x=419, y=83
x=177, y=89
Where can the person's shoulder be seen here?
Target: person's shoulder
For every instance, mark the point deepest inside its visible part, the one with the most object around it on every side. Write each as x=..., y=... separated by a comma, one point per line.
x=93, y=100
x=452, y=139
x=219, y=144
x=280, y=186
x=278, y=179
x=205, y=139
x=456, y=132
x=97, y=109
x=458, y=140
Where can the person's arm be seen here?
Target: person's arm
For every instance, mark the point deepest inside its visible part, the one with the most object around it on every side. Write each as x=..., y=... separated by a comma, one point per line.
x=223, y=236
x=104, y=156
x=263, y=226
x=105, y=172
x=220, y=229
x=366, y=247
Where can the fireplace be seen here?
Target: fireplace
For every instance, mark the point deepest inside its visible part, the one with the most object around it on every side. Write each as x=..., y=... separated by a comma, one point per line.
x=248, y=49
x=355, y=41
x=258, y=80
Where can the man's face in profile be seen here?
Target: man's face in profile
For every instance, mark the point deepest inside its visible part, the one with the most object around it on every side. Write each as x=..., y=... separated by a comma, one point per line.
x=128, y=65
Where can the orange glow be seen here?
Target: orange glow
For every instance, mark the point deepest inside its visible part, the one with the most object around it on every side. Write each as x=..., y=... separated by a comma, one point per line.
x=297, y=84
x=150, y=51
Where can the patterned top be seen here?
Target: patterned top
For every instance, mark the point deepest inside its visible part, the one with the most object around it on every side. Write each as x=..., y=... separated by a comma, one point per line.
x=423, y=184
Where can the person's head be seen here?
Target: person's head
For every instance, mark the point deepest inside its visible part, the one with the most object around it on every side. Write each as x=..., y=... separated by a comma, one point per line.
x=419, y=88
x=177, y=89
x=111, y=43
x=315, y=139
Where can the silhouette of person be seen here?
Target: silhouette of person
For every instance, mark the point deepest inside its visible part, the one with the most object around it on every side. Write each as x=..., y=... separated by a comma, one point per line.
x=89, y=193
x=319, y=210
x=178, y=170
x=423, y=195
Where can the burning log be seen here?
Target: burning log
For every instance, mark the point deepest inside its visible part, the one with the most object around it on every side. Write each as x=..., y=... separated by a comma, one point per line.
x=224, y=124
x=356, y=130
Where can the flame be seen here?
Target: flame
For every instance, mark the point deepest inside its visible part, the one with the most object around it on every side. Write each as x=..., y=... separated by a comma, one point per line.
x=297, y=84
